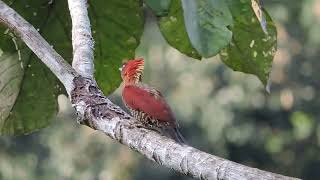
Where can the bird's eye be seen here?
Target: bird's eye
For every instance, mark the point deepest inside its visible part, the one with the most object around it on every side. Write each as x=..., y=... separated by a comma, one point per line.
x=122, y=67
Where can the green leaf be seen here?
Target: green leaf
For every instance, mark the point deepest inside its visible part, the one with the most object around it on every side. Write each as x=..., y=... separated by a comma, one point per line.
x=25, y=92
x=173, y=29
x=159, y=7
x=11, y=75
x=206, y=23
x=117, y=31
x=33, y=89
x=117, y=28
x=36, y=104
x=251, y=50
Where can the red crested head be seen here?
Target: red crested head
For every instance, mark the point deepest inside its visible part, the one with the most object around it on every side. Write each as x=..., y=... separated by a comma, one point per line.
x=131, y=71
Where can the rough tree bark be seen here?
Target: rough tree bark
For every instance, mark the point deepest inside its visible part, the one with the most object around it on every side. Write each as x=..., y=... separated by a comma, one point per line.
x=82, y=40
x=101, y=114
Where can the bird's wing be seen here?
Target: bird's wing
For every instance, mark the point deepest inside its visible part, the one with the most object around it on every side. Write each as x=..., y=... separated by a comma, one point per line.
x=149, y=100
x=153, y=91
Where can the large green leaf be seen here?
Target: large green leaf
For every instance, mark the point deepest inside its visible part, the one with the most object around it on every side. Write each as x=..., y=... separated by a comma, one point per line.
x=117, y=28
x=251, y=50
x=36, y=103
x=206, y=23
x=160, y=8
x=11, y=75
x=31, y=103
x=173, y=29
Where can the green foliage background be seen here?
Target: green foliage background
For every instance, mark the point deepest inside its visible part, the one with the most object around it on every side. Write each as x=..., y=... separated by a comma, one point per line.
x=221, y=112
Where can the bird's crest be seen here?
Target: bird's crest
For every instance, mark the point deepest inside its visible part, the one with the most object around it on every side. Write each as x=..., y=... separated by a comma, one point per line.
x=131, y=71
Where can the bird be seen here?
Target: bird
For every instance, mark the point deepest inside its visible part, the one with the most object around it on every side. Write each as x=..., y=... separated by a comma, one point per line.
x=145, y=103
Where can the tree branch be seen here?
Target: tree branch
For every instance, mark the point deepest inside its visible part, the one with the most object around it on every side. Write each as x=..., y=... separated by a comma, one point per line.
x=101, y=114
x=82, y=40
x=104, y=116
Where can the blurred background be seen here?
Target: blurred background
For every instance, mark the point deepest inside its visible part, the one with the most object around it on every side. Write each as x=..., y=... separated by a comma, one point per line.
x=222, y=112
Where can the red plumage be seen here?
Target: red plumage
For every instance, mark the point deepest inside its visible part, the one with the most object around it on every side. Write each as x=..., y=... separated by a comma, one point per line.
x=139, y=97
x=146, y=103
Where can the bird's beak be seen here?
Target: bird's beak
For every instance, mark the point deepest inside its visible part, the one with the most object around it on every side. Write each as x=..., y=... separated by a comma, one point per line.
x=120, y=69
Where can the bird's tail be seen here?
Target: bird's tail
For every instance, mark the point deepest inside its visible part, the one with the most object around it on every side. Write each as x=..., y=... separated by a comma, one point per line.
x=175, y=134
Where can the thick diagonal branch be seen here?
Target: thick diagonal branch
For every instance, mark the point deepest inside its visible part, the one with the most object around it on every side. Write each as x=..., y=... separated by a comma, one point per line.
x=101, y=114
x=82, y=40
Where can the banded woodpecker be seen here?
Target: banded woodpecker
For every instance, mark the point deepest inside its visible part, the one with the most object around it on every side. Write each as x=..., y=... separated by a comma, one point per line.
x=146, y=103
